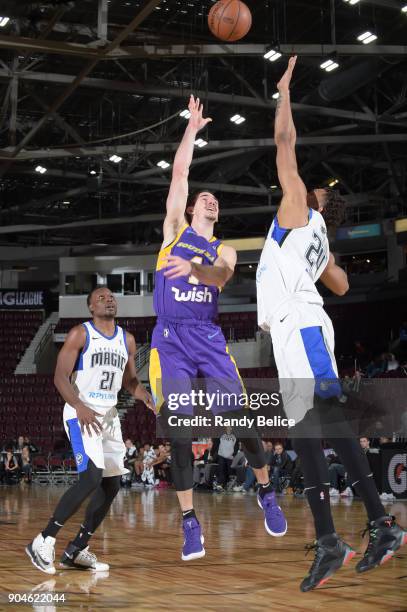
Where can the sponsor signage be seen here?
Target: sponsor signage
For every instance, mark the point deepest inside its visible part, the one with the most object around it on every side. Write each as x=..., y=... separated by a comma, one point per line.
x=370, y=230
x=16, y=299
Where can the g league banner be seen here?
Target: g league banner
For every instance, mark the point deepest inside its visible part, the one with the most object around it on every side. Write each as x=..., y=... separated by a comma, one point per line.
x=394, y=466
x=15, y=299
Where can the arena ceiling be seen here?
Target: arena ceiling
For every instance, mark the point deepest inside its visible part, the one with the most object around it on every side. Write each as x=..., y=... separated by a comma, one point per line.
x=81, y=81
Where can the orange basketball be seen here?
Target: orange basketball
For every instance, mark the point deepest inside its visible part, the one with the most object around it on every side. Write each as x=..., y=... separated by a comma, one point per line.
x=229, y=20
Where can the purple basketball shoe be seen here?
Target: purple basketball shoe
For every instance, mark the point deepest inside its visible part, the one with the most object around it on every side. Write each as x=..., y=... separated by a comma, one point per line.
x=274, y=519
x=193, y=542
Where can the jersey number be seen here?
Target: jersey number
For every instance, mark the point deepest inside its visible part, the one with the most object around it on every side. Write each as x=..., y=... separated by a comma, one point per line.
x=107, y=381
x=193, y=280
x=315, y=253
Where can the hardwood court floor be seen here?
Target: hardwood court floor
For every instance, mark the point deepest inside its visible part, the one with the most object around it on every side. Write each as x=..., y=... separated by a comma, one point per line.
x=244, y=568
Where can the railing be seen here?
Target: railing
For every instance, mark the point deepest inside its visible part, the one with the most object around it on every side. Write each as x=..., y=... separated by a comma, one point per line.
x=44, y=340
x=142, y=356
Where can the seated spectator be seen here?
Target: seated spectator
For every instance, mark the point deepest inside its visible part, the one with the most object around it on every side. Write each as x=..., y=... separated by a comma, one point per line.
x=19, y=446
x=204, y=466
x=280, y=466
x=138, y=464
x=336, y=473
x=129, y=460
x=147, y=476
x=250, y=478
x=238, y=466
x=25, y=465
x=226, y=448
x=160, y=463
x=11, y=467
x=364, y=443
x=31, y=445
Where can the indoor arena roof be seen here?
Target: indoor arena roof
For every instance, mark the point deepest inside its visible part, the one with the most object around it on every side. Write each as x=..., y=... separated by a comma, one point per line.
x=91, y=93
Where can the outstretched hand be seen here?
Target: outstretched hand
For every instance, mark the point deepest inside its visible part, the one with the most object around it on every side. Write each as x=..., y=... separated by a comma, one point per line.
x=196, y=120
x=177, y=266
x=284, y=83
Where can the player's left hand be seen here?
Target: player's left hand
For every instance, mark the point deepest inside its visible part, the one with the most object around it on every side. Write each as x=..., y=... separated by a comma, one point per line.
x=143, y=395
x=177, y=266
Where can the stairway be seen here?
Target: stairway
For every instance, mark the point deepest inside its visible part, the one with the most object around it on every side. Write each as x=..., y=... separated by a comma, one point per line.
x=27, y=362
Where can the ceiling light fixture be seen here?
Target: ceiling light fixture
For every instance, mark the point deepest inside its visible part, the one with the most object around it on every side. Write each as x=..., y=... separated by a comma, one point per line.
x=351, y=2
x=40, y=169
x=115, y=158
x=329, y=65
x=238, y=119
x=272, y=55
x=4, y=21
x=201, y=143
x=333, y=182
x=276, y=95
x=367, y=37
x=404, y=9
x=185, y=113
x=163, y=164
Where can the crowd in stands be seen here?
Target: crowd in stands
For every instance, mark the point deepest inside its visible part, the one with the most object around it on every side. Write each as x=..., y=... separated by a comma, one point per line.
x=221, y=467
x=16, y=461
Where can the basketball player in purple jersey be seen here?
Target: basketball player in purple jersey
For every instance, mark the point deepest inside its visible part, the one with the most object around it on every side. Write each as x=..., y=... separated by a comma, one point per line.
x=192, y=267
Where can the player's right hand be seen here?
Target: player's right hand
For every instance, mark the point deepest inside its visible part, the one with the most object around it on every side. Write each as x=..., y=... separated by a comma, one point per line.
x=284, y=83
x=196, y=120
x=87, y=418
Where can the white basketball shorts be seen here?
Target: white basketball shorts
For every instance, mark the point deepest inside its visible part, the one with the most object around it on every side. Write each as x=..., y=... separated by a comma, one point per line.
x=303, y=344
x=106, y=450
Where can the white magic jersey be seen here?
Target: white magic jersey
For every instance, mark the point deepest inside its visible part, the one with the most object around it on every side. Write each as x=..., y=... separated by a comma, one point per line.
x=291, y=262
x=99, y=369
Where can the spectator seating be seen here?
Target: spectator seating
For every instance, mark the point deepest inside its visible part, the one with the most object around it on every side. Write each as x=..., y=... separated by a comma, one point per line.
x=235, y=325
x=139, y=424
x=17, y=329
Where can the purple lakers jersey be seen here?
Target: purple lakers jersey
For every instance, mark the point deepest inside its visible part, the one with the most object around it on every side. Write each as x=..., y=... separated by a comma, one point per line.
x=186, y=297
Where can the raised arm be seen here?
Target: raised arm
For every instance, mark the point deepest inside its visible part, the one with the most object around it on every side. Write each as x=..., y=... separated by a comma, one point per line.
x=178, y=193
x=334, y=278
x=217, y=275
x=293, y=211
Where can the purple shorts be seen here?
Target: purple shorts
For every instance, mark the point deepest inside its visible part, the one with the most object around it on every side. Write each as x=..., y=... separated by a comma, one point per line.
x=187, y=350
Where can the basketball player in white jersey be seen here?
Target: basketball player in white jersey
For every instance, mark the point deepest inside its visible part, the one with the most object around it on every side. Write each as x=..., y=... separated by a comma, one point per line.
x=96, y=361
x=295, y=255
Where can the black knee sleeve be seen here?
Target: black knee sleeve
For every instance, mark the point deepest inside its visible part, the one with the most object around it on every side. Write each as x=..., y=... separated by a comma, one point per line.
x=181, y=464
x=111, y=486
x=89, y=480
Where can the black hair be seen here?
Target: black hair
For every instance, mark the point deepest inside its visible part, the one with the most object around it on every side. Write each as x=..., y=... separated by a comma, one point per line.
x=334, y=207
x=89, y=298
x=191, y=202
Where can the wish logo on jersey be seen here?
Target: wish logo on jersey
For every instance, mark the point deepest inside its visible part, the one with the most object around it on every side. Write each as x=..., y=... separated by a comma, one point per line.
x=193, y=295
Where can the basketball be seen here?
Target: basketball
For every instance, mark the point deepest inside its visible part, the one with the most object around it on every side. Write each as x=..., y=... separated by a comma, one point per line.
x=229, y=20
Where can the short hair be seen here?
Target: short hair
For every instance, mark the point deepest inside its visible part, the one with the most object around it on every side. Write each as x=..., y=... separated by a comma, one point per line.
x=335, y=209
x=89, y=298
x=191, y=202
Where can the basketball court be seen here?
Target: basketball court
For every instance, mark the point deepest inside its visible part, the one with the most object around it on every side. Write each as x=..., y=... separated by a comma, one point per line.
x=103, y=105
x=243, y=568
